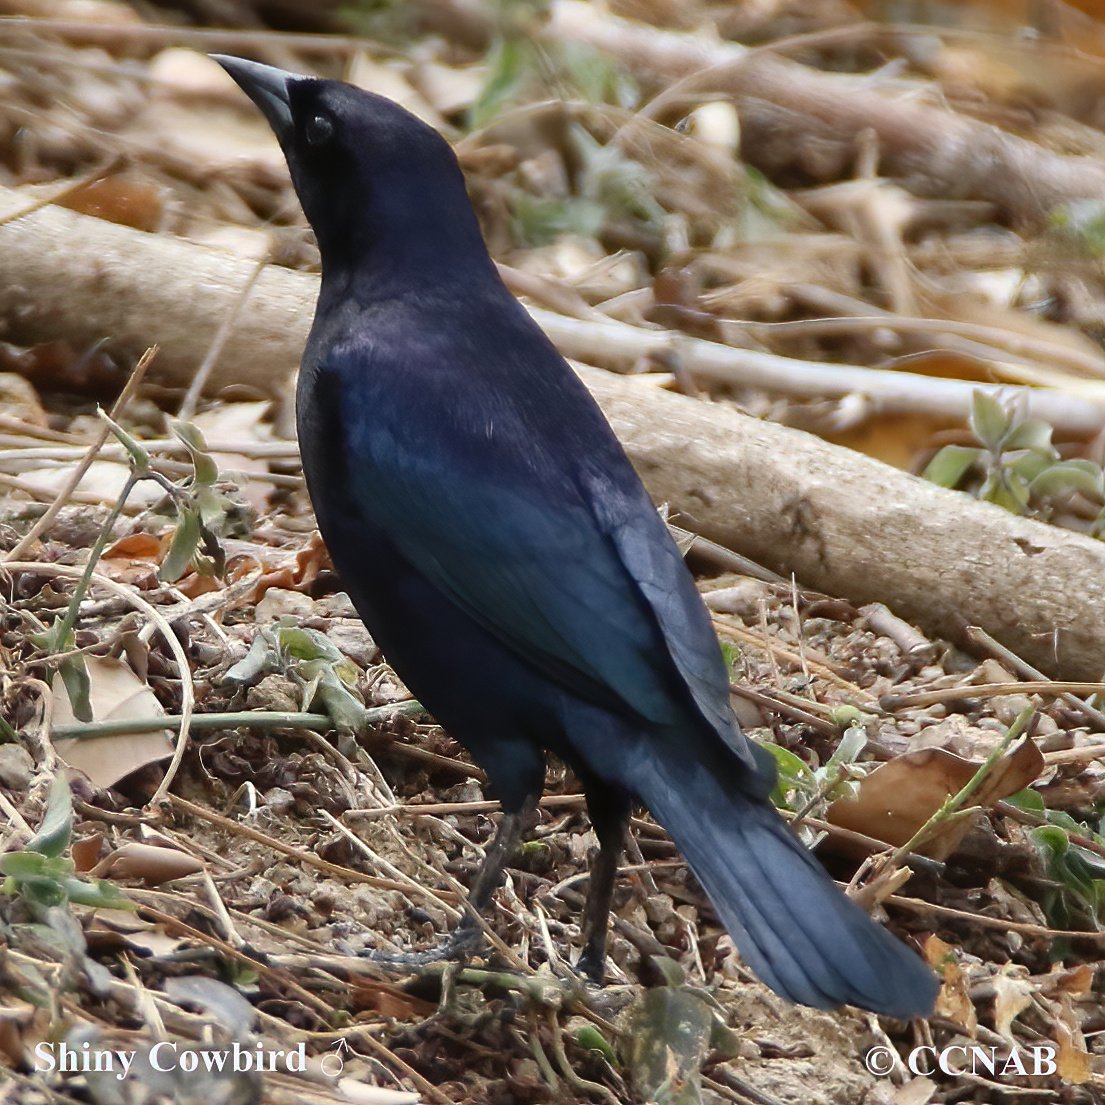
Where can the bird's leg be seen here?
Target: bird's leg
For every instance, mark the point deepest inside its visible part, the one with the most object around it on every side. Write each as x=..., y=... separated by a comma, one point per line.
x=609, y=811
x=468, y=934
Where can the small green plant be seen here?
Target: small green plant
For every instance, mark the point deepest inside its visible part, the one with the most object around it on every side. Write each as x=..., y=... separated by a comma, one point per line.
x=328, y=678
x=807, y=791
x=1015, y=464
x=1077, y=898
x=203, y=516
x=42, y=876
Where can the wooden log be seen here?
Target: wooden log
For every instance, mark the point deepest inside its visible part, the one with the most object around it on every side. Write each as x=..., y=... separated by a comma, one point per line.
x=843, y=523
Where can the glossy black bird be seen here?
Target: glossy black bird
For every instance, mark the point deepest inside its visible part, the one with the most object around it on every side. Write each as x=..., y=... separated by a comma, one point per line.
x=506, y=558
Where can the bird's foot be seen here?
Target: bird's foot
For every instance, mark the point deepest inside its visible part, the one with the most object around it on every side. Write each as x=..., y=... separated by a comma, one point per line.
x=591, y=966
x=461, y=945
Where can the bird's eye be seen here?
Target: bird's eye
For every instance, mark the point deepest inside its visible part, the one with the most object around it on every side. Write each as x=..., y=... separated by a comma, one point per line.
x=319, y=130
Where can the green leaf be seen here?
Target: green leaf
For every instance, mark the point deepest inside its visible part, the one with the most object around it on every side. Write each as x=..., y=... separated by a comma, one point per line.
x=1051, y=839
x=346, y=711
x=308, y=644
x=510, y=64
x=99, y=893
x=1032, y=433
x=1007, y=490
x=1031, y=463
x=78, y=686
x=590, y=1038
x=263, y=657
x=852, y=743
x=1029, y=800
x=794, y=775
x=185, y=542
x=950, y=465
x=989, y=420
x=1067, y=477
x=24, y=865
x=541, y=219
x=139, y=458
x=53, y=834
x=207, y=471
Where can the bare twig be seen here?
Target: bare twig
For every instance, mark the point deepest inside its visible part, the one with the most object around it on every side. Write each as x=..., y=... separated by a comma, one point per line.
x=75, y=477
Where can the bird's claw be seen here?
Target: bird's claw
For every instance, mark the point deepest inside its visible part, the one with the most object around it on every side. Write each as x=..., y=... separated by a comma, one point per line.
x=461, y=945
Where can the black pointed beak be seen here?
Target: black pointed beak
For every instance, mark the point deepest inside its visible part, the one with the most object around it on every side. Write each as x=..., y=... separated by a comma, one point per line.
x=266, y=86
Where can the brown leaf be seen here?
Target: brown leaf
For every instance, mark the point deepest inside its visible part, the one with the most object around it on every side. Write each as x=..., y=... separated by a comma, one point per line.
x=115, y=693
x=1012, y=995
x=899, y=796
x=1073, y=1060
x=152, y=864
x=387, y=1000
x=86, y=851
x=954, y=999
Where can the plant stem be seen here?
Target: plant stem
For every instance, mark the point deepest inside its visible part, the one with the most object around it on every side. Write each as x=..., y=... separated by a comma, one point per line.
x=252, y=719
x=955, y=801
x=61, y=631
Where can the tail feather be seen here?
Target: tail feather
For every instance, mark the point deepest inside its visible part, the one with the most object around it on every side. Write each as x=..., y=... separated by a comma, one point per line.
x=793, y=926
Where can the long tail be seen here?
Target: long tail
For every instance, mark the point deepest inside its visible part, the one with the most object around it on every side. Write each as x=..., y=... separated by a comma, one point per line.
x=793, y=926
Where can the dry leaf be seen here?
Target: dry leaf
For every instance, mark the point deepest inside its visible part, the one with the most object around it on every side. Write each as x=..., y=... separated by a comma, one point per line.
x=1073, y=1060
x=152, y=864
x=86, y=851
x=115, y=693
x=954, y=999
x=899, y=796
x=1076, y=982
x=1012, y=995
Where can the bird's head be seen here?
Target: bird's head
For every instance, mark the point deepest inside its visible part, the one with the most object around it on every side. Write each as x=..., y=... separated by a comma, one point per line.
x=381, y=189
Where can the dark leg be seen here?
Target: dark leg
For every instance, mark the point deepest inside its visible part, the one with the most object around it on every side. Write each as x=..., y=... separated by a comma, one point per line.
x=467, y=936
x=609, y=810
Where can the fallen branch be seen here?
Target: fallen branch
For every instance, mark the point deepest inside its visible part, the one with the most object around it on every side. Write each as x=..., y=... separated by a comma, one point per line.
x=71, y=276
x=843, y=523
x=794, y=117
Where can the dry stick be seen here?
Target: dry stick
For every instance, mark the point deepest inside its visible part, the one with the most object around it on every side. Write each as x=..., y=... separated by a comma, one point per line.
x=982, y=920
x=204, y=38
x=428, y=1089
x=117, y=408
x=890, y=391
x=741, y=633
x=981, y=639
x=305, y=857
x=925, y=143
x=226, y=327
x=1057, y=688
x=42, y=495
x=1009, y=341
x=411, y=885
x=254, y=719
x=779, y=705
x=187, y=693
x=44, y=252
x=439, y=809
x=279, y=977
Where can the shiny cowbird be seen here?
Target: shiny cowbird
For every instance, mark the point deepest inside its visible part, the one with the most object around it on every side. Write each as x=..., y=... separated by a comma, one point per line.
x=506, y=558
